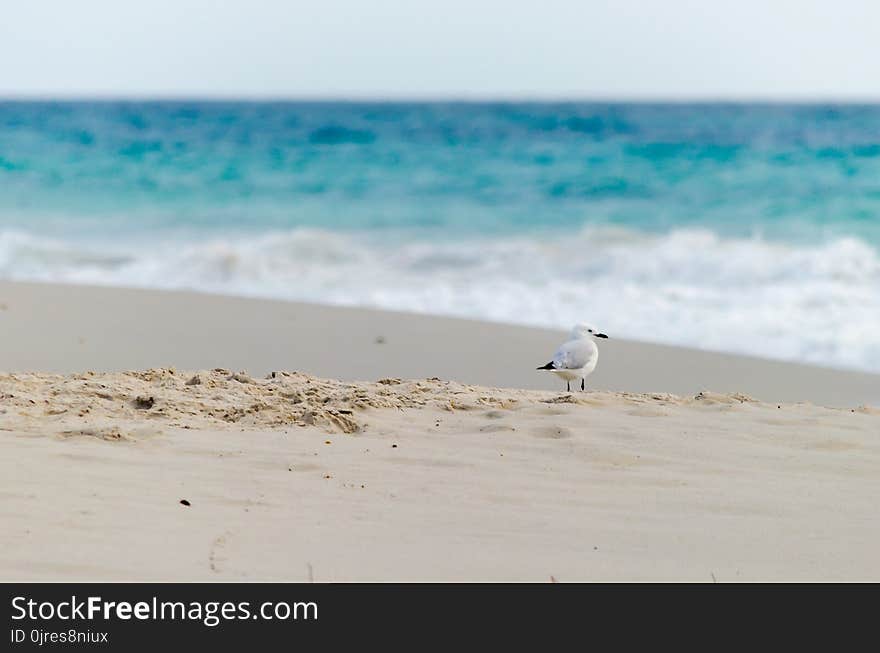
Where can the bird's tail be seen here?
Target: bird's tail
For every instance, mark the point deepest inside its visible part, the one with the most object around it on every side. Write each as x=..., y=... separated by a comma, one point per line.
x=548, y=366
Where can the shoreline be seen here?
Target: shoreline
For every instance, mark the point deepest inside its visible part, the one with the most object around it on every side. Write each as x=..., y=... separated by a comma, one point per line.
x=71, y=328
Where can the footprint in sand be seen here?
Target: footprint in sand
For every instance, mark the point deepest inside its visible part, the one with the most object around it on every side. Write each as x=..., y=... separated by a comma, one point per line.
x=496, y=428
x=215, y=556
x=552, y=409
x=551, y=433
x=108, y=434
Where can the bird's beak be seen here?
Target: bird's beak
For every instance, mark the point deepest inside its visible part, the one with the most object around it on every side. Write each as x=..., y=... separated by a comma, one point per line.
x=601, y=335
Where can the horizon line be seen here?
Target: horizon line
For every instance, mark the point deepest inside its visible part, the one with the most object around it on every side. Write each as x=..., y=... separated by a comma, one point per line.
x=379, y=98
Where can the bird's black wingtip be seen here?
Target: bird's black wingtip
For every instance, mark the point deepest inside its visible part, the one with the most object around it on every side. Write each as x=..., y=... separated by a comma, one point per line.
x=548, y=366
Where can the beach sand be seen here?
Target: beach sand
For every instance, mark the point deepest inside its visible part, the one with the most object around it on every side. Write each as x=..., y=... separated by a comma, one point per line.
x=334, y=444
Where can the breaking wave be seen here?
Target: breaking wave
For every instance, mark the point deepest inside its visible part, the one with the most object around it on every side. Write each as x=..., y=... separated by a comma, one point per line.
x=818, y=304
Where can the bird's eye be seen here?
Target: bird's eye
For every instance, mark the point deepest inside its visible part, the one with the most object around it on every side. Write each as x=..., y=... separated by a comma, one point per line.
x=590, y=330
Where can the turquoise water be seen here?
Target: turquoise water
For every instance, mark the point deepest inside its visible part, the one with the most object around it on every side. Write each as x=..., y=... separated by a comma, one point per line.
x=749, y=228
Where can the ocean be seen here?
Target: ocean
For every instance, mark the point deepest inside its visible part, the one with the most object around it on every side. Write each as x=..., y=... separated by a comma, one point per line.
x=734, y=227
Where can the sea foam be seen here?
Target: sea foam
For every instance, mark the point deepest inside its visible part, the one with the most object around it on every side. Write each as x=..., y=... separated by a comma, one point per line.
x=812, y=303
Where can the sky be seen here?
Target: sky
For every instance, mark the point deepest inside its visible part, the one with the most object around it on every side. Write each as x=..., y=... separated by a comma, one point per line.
x=453, y=49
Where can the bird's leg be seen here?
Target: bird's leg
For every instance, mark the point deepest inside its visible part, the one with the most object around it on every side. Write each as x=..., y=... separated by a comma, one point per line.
x=568, y=386
x=582, y=385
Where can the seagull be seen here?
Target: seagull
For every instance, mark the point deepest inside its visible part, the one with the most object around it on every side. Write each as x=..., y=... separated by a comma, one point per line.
x=576, y=358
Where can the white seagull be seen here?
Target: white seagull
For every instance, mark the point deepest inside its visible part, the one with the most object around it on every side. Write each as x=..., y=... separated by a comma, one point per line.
x=577, y=358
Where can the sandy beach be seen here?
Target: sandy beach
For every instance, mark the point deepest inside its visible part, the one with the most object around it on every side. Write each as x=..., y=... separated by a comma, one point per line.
x=338, y=444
